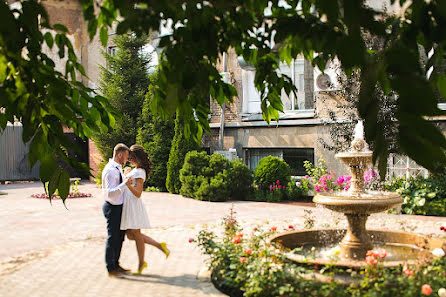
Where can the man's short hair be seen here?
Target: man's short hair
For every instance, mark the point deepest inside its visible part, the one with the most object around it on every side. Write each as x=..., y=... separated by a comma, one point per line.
x=119, y=148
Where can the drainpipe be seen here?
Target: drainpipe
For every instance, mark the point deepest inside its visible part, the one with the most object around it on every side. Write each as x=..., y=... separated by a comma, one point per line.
x=223, y=107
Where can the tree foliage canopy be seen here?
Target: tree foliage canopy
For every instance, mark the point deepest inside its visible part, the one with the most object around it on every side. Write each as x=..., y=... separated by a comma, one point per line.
x=264, y=32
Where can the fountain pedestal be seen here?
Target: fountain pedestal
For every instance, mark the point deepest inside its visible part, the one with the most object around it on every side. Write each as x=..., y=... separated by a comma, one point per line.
x=356, y=241
x=356, y=203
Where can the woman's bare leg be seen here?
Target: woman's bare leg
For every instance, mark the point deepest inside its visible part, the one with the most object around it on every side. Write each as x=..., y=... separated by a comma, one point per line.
x=140, y=247
x=151, y=241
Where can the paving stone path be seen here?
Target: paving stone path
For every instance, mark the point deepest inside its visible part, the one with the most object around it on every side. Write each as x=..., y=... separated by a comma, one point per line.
x=47, y=250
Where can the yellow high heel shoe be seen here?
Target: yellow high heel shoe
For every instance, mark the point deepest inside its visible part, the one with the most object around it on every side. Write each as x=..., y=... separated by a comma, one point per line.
x=165, y=249
x=144, y=265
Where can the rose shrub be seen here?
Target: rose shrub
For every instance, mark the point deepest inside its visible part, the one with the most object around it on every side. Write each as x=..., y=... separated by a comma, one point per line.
x=248, y=264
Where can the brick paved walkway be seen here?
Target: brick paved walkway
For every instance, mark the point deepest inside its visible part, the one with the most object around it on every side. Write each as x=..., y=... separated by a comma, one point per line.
x=49, y=251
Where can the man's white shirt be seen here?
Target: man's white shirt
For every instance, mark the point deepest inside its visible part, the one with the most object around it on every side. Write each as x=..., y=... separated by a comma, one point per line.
x=112, y=190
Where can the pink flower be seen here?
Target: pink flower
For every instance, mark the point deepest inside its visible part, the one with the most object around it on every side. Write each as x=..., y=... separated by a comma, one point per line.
x=426, y=290
x=277, y=181
x=298, y=184
x=283, y=187
x=346, y=188
x=325, y=189
x=242, y=259
x=408, y=272
x=317, y=189
x=340, y=180
x=306, y=177
x=270, y=187
x=236, y=239
x=370, y=260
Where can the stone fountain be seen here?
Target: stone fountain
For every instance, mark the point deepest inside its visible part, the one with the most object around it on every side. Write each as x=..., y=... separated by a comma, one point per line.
x=356, y=204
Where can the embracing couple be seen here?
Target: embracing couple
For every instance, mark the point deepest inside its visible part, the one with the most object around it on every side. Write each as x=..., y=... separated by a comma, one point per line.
x=123, y=207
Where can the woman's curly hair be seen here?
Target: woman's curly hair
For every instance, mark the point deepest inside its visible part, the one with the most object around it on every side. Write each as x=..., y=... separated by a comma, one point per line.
x=137, y=153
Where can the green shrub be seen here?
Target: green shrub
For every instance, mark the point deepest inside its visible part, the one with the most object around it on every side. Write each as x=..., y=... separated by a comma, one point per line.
x=298, y=189
x=271, y=176
x=318, y=170
x=241, y=180
x=422, y=196
x=219, y=187
x=205, y=177
x=270, y=170
x=191, y=175
x=217, y=163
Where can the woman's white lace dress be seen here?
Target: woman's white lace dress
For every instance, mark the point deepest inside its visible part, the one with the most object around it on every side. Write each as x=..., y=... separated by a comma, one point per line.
x=134, y=214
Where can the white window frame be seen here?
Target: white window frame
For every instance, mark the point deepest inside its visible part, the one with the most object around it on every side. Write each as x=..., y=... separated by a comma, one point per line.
x=408, y=169
x=251, y=96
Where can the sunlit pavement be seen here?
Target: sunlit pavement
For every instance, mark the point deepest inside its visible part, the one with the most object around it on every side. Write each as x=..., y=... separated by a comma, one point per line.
x=49, y=250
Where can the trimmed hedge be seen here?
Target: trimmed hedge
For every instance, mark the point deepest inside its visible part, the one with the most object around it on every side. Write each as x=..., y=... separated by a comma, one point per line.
x=241, y=180
x=214, y=178
x=205, y=177
x=270, y=170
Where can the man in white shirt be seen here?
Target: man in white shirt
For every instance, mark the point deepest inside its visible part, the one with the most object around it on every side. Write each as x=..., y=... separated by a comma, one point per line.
x=113, y=186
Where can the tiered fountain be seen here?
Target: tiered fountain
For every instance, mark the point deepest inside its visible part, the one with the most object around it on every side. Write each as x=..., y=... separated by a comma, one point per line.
x=356, y=204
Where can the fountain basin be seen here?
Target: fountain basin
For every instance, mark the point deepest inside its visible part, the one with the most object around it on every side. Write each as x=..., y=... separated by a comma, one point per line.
x=362, y=203
x=357, y=206
x=401, y=247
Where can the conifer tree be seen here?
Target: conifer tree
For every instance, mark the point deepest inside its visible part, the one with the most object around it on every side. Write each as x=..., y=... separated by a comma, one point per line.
x=180, y=147
x=155, y=135
x=124, y=81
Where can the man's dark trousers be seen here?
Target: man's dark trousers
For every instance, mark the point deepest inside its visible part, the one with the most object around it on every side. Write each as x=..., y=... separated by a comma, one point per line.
x=115, y=236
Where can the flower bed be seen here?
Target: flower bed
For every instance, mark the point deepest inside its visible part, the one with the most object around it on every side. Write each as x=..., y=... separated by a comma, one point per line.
x=71, y=195
x=247, y=264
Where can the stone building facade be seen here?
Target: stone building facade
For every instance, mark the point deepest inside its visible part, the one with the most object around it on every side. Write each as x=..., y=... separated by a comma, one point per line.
x=295, y=137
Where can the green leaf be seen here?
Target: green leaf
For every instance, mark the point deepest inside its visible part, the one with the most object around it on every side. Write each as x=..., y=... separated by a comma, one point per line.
x=95, y=114
x=48, y=165
x=53, y=182
x=431, y=194
x=64, y=185
x=103, y=35
x=441, y=85
x=421, y=202
x=60, y=27
x=49, y=39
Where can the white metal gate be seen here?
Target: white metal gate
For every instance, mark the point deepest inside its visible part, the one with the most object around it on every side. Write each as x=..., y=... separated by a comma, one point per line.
x=14, y=156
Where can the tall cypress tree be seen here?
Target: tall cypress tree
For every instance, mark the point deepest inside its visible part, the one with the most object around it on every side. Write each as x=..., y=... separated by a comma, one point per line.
x=180, y=147
x=124, y=81
x=155, y=135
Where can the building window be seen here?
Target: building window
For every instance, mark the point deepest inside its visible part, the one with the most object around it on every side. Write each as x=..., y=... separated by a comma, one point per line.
x=403, y=166
x=301, y=74
x=296, y=72
x=294, y=157
x=112, y=50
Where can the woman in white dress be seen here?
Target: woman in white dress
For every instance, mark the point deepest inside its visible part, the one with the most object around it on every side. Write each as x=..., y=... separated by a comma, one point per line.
x=134, y=214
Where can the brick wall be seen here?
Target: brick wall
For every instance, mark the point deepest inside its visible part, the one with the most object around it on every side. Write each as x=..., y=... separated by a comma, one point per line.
x=94, y=158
